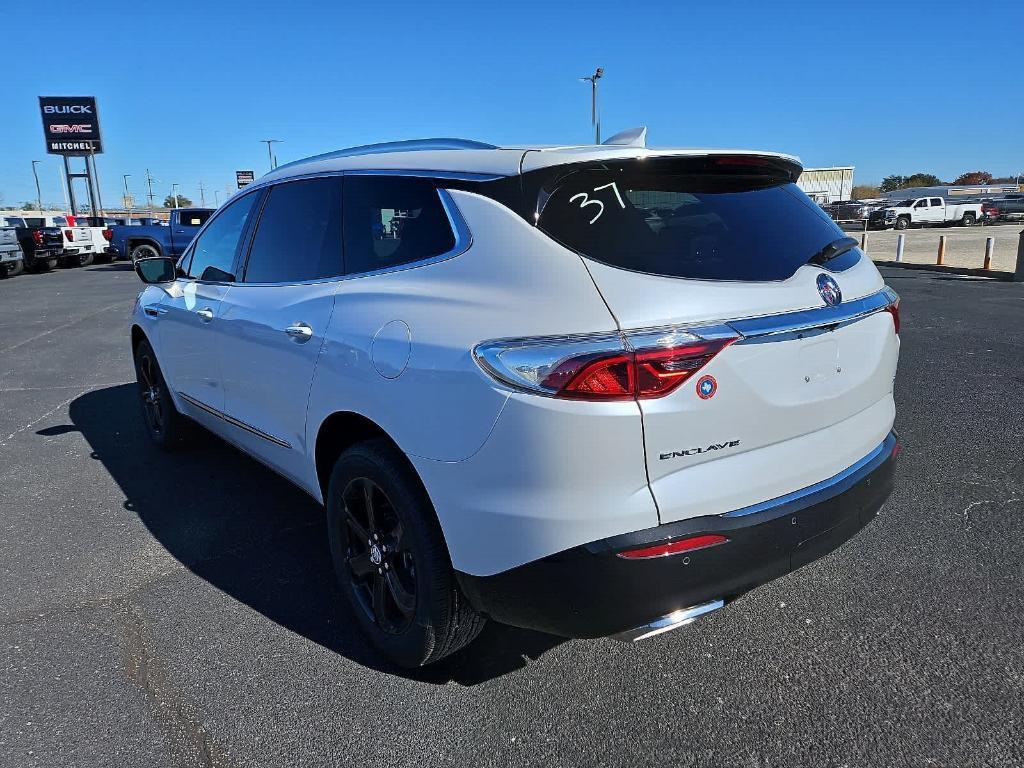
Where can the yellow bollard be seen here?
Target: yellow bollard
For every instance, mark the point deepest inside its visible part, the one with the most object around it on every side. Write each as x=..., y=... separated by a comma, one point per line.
x=942, y=250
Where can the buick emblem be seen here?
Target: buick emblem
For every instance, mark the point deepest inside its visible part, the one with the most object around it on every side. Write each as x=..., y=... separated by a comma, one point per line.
x=829, y=290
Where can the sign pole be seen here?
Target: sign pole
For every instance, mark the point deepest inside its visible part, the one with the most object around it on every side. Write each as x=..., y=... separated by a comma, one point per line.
x=94, y=178
x=71, y=186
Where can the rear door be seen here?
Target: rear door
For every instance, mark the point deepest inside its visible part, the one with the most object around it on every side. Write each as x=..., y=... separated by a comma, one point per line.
x=274, y=320
x=686, y=252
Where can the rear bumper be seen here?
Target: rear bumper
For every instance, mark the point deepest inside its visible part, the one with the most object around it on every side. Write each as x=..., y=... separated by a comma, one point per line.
x=590, y=591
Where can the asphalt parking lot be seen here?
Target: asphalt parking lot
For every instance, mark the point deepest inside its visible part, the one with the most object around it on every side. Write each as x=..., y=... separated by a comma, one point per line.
x=180, y=610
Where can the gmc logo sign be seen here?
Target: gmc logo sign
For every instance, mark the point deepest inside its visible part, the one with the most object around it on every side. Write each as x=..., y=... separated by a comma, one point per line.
x=83, y=128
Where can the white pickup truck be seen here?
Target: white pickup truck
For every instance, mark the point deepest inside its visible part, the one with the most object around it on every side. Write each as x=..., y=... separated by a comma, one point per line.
x=79, y=249
x=925, y=211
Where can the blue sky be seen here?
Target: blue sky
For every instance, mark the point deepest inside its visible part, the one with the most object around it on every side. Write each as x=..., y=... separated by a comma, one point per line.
x=189, y=89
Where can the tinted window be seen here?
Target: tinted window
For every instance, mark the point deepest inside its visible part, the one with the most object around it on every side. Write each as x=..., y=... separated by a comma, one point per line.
x=921, y=204
x=59, y=221
x=12, y=222
x=391, y=220
x=725, y=225
x=36, y=222
x=299, y=233
x=213, y=256
x=936, y=201
x=194, y=218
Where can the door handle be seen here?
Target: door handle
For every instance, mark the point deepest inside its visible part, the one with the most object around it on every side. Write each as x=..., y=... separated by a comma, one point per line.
x=154, y=311
x=205, y=314
x=300, y=332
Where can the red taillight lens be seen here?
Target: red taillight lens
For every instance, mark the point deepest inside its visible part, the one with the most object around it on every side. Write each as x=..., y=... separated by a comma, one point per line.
x=645, y=373
x=675, y=547
x=38, y=237
x=69, y=234
x=108, y=235
x=894, y=310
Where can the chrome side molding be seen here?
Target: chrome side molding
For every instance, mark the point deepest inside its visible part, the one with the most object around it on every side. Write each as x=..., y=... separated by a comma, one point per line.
x=820, y=317
x=674, y=620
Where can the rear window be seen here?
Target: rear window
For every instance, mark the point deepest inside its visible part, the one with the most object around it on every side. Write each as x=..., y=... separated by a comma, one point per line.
x=666, y=218
x=194, y=218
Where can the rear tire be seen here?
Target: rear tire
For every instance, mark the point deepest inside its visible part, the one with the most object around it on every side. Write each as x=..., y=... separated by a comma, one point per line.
x=14, y=268
x=391, y=560
x=166, y=427
x=967, y=220
x=143, y=251
x=85, y=259
x=902, y=223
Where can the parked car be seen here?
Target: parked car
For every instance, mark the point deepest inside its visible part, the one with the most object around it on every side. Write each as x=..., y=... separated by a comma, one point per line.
x=99, y=234
x=12, y=259
x=569, y=389
x=42, y=246
x=146, y=241
x=927, y=211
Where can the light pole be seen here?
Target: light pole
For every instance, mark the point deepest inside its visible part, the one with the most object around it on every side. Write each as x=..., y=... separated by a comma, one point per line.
x=174, y=195
x=595, y=119
x=270, y=151
x=127, y=196
x=39, y=195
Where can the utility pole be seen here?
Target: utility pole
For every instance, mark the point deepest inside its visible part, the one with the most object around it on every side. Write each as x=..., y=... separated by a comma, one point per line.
x=595, y=118
x=174, y=195
x=202, y=196
x=270, y=151
x=39, y=195
x=149, y=181
x=127, y=197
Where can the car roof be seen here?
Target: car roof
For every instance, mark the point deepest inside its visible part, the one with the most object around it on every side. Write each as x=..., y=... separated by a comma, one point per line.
x=465, y=158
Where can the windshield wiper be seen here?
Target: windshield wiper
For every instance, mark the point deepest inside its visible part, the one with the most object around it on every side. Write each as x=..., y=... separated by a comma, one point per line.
x=833, y=249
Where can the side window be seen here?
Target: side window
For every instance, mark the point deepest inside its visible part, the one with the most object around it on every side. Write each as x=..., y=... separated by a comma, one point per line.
x=936, y=202
x=213, y=255
x=298, y=236
x=922, y=203
x=391, y=220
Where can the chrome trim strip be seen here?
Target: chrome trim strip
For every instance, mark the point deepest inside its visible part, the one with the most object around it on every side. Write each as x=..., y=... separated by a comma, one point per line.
x=820, y=317
x=233, y=421
x=674, y=620
x=826, y=489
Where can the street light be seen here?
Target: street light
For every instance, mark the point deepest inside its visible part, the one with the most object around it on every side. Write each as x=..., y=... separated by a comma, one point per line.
x=270, y=151
x=127, y=195
x=594, y=119
x=39, y=195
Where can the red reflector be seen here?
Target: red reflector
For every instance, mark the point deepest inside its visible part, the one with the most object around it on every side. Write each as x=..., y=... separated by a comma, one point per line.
x=894, y=310
x=69, y=234
x=675, y=547
x=108, y=235
x=896, y=449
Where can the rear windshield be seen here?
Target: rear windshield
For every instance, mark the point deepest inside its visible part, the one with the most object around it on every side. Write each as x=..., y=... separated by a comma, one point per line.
x=669, y=218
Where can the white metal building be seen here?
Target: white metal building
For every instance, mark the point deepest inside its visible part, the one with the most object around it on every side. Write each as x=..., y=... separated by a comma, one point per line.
x=826, y=185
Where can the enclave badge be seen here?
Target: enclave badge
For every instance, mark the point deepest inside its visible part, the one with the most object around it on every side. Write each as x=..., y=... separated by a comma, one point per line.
x=829, y=290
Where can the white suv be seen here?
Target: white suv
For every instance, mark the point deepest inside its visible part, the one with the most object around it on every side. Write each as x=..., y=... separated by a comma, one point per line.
x=593, y=391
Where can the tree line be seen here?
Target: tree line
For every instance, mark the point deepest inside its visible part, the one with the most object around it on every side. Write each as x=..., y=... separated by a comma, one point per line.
x=896, y=182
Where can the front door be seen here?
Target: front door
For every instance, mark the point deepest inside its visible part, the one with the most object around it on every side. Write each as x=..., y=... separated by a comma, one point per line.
x=275, y=318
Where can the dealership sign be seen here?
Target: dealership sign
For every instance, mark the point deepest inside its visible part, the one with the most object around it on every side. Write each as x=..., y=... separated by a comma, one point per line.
x=71, y=125
x=244, y=178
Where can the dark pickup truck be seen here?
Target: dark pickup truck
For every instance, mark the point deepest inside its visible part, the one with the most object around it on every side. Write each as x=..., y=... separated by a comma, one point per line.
x=140, y=242
x=42, y=246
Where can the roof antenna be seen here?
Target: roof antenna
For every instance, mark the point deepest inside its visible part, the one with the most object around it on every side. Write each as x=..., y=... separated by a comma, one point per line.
x=631, y=137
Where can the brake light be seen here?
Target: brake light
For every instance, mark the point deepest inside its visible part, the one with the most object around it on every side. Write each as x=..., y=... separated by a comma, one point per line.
x=69, y=234
x=38, y=237
x=691, y=544
x=640, y=365
x=108, y=235
x=70, y=220
x=894, y=310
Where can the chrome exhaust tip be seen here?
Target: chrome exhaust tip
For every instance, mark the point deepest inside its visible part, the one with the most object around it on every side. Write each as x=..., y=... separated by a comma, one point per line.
x=674, y=620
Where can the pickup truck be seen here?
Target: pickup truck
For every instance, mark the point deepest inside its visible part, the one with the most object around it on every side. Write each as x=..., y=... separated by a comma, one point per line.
x=926, y=211
x=78, y=248
x=42, y=245
x=1010, y=206
x=12, y=260
x=100, y=231
x=140, y=242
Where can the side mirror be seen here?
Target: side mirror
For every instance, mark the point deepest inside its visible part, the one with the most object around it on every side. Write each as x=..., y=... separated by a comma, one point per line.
x=154, y=270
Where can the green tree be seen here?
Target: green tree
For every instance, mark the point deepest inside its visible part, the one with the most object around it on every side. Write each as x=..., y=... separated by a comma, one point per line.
x=183, y=202
x=974, y=177
x=29, y=207
x=865, y=191
x=922, y=180
x=892, y=183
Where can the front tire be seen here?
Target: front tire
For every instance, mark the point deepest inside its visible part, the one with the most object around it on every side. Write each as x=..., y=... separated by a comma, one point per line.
x=14, y=268
x=166, y=427
x=902, y=223
x=390, y=558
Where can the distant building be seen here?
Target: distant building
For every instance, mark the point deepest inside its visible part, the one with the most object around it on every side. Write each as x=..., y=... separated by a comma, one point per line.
x=826, y=185
x=948, y=190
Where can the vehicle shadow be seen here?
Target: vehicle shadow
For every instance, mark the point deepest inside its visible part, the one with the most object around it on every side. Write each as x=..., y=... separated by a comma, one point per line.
x=258, y=538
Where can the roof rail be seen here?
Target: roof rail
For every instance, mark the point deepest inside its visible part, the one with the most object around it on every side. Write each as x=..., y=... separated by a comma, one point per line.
x=411, y=145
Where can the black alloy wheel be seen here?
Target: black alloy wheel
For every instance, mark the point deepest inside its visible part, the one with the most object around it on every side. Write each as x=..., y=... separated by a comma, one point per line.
x=151, y=393
x=381, y=563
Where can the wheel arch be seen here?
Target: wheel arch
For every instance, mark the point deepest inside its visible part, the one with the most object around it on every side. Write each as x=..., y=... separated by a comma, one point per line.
x=339, y=432
x=138, y=336
x=137, y=241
